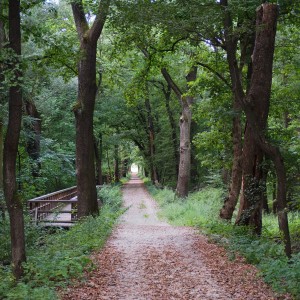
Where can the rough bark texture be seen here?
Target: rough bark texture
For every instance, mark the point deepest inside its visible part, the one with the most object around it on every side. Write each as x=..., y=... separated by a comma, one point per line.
x=258, y=94
x=2, y=40
x=258, y=100
x=84, y=108
x=13, y=200
x=236, y=174
x=33, y=143
x=182, y=188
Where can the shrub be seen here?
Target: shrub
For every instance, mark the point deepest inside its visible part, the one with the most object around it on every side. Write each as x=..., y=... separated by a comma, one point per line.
x=56, y=256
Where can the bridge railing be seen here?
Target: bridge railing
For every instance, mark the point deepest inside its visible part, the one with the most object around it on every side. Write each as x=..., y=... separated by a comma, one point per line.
x=41, y=207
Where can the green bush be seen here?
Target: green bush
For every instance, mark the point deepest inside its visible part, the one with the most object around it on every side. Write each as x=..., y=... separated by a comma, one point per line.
x=56, y=256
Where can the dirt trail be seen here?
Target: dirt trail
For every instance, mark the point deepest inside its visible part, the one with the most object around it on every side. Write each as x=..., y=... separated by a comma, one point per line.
x=146, y=258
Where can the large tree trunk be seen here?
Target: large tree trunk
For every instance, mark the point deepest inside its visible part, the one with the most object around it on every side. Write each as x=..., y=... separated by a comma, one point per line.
x=258, y=102
x=84, y=109
x=236, y=174
x=2, y=100
x=250, y=210
x=13, y=200
x=85, y=168
x=259, y=94
x=33, y=143
x=182, y=188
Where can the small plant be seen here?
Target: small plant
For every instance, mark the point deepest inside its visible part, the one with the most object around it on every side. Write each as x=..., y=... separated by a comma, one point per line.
x=142, y=205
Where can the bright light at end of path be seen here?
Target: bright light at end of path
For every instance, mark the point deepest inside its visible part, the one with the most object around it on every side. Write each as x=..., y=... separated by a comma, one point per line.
x=134, y=168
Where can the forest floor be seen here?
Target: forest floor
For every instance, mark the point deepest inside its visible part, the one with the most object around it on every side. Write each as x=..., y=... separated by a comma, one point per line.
x=146, y=258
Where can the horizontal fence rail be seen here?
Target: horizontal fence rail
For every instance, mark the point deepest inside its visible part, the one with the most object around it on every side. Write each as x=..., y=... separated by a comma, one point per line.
x=48, y=207
x=55, y=209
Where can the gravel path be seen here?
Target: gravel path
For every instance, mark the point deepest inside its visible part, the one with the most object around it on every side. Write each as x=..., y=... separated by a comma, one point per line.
x=146, y=258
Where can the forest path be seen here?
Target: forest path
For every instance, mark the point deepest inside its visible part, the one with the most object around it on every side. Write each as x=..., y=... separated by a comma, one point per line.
x=146, y=258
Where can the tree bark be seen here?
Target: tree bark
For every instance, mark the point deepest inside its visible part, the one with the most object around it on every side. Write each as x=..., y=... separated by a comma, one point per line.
x=2, y=100
x=173, y=126
x=13, y=200
x=258, y=102
x=98, y=157
x=236, y=174
x=117, y=164
x=182, y=188
x=84, y=108
x=151, y=133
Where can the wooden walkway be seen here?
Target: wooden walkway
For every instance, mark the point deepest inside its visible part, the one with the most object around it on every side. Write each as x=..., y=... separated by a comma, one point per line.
x=58, y=209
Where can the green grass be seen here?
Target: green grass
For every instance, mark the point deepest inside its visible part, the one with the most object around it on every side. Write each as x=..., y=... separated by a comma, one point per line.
x=201, y=210
x=55, y=258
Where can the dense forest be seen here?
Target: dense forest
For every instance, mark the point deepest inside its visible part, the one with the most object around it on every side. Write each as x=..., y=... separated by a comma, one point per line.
x=199, y=95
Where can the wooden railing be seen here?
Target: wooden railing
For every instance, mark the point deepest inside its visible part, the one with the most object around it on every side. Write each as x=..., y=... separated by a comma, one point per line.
x=41, y=207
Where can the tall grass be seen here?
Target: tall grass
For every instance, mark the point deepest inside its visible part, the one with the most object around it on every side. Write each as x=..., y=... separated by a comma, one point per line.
x=55, y=257
x=201, y=210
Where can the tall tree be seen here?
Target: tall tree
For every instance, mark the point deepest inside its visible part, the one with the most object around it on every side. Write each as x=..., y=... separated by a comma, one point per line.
x=186, y=102
x=13, y=199
x=2, y=41
x=255, y=104
x=84, y=108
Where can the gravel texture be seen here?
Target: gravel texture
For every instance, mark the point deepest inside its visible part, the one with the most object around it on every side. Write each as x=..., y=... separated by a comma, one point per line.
x=146, y=258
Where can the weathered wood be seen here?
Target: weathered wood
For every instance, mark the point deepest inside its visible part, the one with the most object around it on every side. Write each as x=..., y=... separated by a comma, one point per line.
x=49, y=208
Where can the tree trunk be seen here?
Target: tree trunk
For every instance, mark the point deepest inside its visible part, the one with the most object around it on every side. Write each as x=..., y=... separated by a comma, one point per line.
x=85, y=168
x=84, y=108
x=182, y=188
x=236, y=174
x=33, y=143
x=258, y=102
x=98, y=157
x=2, y=100
x=13, y=200
x=117, y=164
x=250, y=210
x=173, y=129
x=151, y=132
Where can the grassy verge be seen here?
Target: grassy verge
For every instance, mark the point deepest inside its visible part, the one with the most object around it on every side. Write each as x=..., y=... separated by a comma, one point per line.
x=201, y=209
x=54, y=258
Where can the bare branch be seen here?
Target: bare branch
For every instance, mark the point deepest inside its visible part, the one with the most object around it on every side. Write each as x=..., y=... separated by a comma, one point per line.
x=172, y=84
x=215, y=73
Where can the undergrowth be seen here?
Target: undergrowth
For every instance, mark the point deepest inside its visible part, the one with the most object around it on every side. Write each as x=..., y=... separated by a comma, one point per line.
x=55, y=257
x=201, y=210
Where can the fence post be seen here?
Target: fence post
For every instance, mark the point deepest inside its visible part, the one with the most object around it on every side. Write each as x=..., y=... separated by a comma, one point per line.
x=36, y=215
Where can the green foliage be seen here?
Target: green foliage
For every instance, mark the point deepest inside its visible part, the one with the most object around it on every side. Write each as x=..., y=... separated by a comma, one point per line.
x=56, y=256
x=201, y=209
